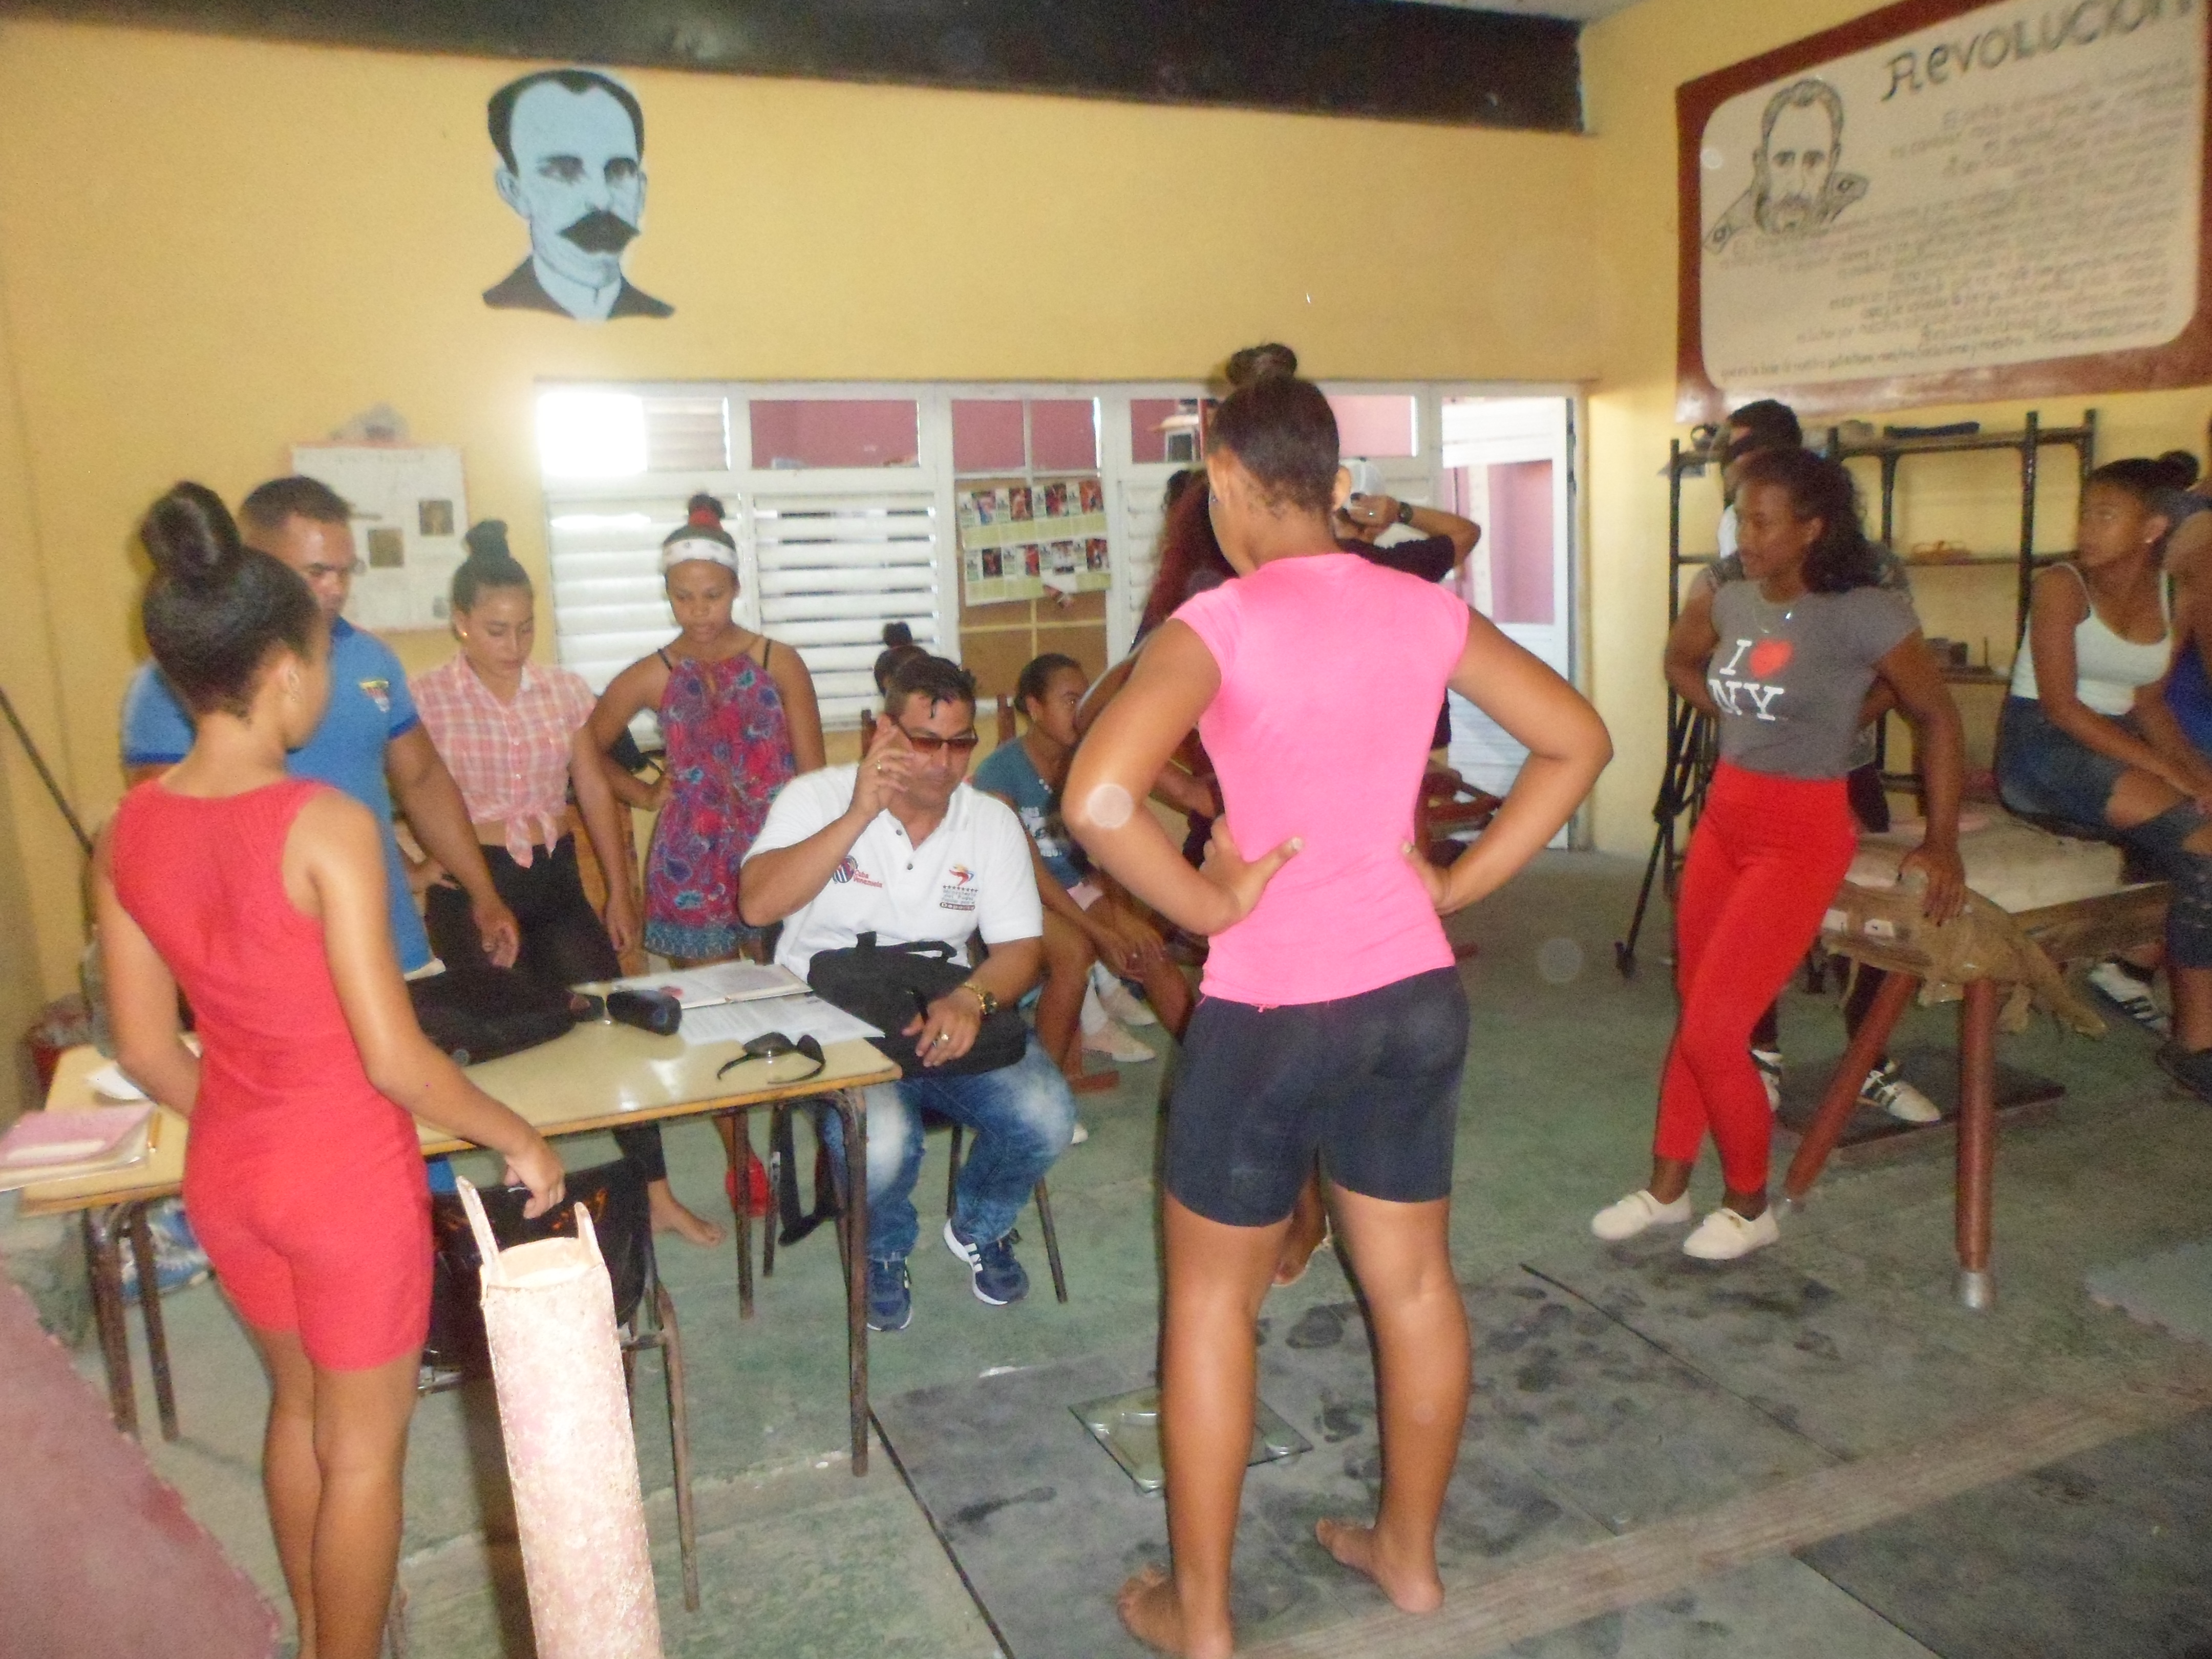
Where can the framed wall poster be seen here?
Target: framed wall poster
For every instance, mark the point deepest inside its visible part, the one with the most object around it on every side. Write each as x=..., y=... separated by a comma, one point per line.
x=1945, y=200
x=408, y=514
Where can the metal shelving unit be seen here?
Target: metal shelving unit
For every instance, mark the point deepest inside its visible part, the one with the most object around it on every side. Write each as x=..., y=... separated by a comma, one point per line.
x=2028, y=443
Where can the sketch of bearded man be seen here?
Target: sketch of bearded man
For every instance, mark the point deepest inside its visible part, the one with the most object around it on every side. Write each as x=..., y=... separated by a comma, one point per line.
x=1798, y=185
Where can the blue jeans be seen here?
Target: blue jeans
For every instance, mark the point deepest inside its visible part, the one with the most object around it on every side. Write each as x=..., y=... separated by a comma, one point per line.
x=1020, y=1116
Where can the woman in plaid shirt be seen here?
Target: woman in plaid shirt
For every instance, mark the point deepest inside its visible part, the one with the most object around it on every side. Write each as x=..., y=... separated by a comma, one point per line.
x=512, y=732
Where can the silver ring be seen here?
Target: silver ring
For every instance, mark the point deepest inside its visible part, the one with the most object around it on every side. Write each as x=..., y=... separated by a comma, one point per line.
x=942, y=1037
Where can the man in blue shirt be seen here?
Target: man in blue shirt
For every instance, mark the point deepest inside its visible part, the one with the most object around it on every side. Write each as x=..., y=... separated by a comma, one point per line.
x=370, y=744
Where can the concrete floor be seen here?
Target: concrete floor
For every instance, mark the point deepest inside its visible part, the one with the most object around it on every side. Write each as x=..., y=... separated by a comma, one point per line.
x=1844, y=1342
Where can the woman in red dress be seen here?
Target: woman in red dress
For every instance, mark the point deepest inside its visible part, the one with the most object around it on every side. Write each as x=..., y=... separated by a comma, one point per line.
x=261, y=896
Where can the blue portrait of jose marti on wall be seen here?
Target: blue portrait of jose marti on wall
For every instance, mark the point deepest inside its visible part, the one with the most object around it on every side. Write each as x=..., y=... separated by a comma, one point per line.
x=571, y=145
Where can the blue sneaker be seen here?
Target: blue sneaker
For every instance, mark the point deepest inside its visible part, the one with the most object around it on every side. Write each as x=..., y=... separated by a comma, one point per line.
x=998, y=1278
x=891, y=1296
x=178, y=1261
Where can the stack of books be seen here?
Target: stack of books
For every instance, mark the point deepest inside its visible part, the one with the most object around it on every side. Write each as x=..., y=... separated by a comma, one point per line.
x=47, y=1147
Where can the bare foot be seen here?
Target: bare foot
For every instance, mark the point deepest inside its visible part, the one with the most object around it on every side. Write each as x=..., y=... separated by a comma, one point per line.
x=670, y=1215
x=1411, y=1588
x=1148, y=1607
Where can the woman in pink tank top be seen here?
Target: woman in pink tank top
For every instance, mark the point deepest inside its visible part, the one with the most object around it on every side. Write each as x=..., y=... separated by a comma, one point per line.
x=261, y=897
x=1331, y=1022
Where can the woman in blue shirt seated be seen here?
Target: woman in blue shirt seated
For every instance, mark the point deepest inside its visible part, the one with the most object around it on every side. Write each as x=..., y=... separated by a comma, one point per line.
x=1086, y=920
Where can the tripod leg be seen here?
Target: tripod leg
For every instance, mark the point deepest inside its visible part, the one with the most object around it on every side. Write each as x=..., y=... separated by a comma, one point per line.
x=1678, y=786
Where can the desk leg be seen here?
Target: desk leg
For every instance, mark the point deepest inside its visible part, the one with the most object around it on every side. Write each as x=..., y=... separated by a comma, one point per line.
x=740, y=1143
x=149, y=1311
x=1977, y=1140
x=853, y=1107
x=1834, y=1112
x=105, y=1262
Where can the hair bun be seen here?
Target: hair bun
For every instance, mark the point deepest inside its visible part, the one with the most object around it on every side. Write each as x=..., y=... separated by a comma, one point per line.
x=1262, y=363
x=190, y=535
x=487, y=541
x=704, y=511
x=2181, y=469
x=895, y=635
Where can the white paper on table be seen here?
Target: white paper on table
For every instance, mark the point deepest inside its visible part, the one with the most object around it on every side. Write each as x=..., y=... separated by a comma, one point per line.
x=726, y=981
x=795, y=1017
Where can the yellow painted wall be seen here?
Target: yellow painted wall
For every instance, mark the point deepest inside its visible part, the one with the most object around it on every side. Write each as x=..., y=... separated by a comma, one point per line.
x=1632, y=64
x=225, y=247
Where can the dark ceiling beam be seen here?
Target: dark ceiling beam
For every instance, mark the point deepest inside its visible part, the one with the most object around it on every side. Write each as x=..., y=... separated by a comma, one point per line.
x=1373, y=58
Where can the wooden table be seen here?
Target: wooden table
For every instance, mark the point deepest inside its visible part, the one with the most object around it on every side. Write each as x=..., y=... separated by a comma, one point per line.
x=599, y=1076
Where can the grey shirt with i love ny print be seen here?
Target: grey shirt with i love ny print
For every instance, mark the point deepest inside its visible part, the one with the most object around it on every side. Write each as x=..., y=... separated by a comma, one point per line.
x=1791, y=678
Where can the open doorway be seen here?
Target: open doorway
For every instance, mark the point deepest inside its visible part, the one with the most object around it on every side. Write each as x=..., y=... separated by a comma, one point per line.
x=1508, y=464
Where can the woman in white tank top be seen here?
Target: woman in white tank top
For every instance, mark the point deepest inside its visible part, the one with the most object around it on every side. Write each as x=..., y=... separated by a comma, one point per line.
x=2086, y=738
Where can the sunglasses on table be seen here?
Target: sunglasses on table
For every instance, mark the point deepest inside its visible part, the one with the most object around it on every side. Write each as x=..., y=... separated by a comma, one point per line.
x=772, y=1045
x=929, y=743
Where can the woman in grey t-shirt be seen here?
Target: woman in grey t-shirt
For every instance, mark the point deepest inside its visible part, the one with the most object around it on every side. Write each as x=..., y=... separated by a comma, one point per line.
x=1783, y=661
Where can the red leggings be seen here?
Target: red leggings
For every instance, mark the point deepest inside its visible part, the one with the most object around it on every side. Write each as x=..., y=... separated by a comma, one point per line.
x=1763, y=868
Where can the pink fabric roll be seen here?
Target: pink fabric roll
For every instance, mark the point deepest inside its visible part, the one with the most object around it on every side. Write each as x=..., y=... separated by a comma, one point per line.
x=564, y=1414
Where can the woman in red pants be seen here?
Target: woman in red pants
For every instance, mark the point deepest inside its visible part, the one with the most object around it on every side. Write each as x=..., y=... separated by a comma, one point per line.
x=1784, y=662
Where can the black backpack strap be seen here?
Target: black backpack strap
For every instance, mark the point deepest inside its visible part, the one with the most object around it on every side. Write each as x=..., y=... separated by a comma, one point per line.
x=796, y=1223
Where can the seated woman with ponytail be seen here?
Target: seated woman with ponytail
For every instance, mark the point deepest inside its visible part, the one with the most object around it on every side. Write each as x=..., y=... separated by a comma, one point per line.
x=262, y=897
x=512, y=732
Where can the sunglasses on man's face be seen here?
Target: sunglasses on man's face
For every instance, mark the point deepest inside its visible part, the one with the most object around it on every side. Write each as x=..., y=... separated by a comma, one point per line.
x=929, y=743
x=772, y=1044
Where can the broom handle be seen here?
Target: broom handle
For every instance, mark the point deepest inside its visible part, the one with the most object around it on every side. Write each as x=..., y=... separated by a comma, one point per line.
x=39, y=762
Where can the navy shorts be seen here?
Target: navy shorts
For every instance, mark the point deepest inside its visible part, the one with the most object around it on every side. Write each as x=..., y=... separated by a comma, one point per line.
x=1371, y=1082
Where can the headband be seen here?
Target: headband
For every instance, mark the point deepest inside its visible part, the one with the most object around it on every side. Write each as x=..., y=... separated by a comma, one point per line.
x=700, y=537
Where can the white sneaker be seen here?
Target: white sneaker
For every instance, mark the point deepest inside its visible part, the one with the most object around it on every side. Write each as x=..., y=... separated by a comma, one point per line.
x=2131, y=995
x=1638, y=1211
x=1769, y=1062
x=1093, y=1017
x=1884, y=1087
x=1119, y=1042
x=1079, y=1134
x=1723, y=1236
x=1126, y=1005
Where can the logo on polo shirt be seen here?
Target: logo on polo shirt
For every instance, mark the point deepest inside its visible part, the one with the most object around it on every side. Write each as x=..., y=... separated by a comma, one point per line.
x=380, y=693
x=849, y=869
x=961, y=895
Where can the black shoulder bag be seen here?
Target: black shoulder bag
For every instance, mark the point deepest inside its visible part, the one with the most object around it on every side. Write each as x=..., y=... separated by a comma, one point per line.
x=888, y=985
x=480, y=1012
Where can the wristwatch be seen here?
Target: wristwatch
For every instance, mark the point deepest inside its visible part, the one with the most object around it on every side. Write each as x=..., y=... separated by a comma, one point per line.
x=988, y=1003
x=1405, y=513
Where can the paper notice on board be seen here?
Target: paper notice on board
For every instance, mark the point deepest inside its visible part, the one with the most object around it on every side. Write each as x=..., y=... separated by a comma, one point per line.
x=1021, y=541
x=2021, y=182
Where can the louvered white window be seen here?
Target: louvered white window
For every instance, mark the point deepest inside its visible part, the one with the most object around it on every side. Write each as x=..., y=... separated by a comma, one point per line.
x=833, y=569
x=841, y=500
x=828, y=554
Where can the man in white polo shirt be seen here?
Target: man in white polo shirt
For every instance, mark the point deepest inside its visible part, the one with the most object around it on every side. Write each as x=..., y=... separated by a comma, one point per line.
x=901, y=847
